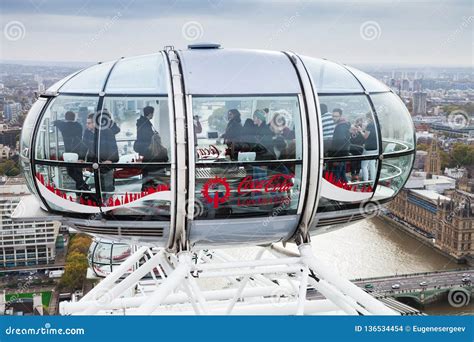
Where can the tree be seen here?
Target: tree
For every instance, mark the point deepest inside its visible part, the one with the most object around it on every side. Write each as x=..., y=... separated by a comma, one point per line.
x=74, y=272
x=9, y=168
x=445, y=159
x=422, y=147
x=76, y=263
x=80, y=243
x=462, y=155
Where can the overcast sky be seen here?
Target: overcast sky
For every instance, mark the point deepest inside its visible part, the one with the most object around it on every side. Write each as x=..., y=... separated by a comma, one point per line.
x=438, y=32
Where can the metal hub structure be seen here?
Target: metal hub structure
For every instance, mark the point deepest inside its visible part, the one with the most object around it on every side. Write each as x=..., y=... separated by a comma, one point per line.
x=275, y=282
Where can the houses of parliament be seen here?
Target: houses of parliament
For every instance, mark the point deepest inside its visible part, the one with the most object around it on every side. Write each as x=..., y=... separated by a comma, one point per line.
x=437, y=207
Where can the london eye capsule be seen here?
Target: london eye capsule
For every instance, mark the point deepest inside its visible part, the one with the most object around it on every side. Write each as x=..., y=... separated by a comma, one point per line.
x=213, y=147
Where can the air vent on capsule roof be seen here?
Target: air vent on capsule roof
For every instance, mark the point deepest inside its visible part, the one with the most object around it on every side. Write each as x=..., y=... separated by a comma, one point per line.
x=204, y=46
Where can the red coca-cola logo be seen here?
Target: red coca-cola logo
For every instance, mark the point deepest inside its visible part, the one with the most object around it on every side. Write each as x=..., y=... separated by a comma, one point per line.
x=208, y=152
x=276, y=183
x=211, y=191
x=217, y=190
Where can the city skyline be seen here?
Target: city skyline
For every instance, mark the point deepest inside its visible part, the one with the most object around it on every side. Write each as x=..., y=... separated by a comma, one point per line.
x=365, y=32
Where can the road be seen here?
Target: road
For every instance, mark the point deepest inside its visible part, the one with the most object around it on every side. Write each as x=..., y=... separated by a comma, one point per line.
x=412, y=281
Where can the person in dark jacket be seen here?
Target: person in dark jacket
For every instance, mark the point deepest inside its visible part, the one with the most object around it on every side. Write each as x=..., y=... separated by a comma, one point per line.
x=263, y=137
x=108, y=129
x=145, y=132
x=88, y=139
x=357, y=147
x=233, y=133
x=197, y=128
x=72, y=137
x=341, y=141
x=247, y=139
x=368, y=167
x=102, y=127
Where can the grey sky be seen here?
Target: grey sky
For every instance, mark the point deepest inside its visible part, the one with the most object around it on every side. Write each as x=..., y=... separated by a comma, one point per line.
x=358, y=32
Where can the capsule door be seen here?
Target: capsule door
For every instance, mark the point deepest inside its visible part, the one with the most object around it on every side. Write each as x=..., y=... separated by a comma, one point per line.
x=245, y=146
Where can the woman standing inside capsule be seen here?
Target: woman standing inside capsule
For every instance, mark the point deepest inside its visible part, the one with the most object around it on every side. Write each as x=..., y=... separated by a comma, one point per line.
x=233, y=133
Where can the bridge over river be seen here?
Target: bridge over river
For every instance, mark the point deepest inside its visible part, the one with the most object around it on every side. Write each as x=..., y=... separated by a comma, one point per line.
x=417, y=289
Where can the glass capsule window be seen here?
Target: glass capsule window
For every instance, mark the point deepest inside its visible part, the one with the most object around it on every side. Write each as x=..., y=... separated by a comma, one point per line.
x=396, y=125
x=114, y=160
x=369, y=83
x=62, y=127
x=104, y=256
x=353, y=126
x=348, y=126
x=393, y=175
x=133, y=120
x=90, y=80
x=248, y=153
x=29, y=126
x=138, y=75
x=329, y=77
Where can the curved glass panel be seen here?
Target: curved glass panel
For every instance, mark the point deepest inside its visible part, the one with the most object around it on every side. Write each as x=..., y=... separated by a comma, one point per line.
x=105, y=255
x=134, y=129
x=348, y=126
x=90, y=80
x=64, y=188
x=248, y=156
x=395, y=122
x=28, y=127
x=131, y=131
x=63, y=127
x=143, y=191
x=27, y=172
x=368, y=82
x=347, y=182
x=55, y=87
x=329, y=77
x=394, y=173
x=144, y=75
